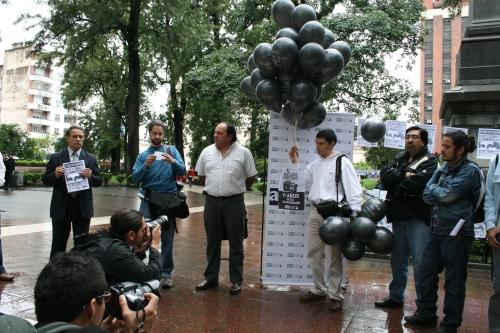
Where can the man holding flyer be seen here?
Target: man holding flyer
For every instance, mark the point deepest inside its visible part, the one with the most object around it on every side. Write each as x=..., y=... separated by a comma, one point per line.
x=72, y=172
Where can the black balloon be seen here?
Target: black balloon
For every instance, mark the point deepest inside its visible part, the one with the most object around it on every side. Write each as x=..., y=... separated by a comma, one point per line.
x=289, y=33
x=282, y=12
x=334, y=230
x=284, y=53
x=247, y=87
x=301, y=15
x=311, y=58
x=312, y=32
x=383, y=242
x=329, y=38
x=363, y=229
x=374, y=209
x=353, y=250
x=268, y=93
x=312, y=116
x=302, y=94
x=256, y=77
x=334, y=63
x=373, y=130
x=251, y=64
x=285, y=81
x=344, y=49
x=264, y=60
x=290, y=115
x=319, y=89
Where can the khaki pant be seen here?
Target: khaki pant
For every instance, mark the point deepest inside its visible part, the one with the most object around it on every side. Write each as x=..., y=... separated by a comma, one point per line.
x=325, y=261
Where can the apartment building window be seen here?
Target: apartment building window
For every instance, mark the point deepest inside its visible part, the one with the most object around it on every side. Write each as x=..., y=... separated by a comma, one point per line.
x=38, y=115
x=36, y=129
x=57, y=117
x=56, y=130
x=46, y=101
x=67, y=119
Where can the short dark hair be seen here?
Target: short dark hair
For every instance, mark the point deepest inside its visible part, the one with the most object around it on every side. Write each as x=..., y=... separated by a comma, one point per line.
x=460, y=139
x=424, y=135
x=327, y=134
x=65, y=285
x=125, y=220
x=230, y=130
x=72, y=127
x=156, y=122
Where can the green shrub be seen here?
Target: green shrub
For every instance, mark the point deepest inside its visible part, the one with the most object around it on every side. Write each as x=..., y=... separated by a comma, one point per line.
x=106, y=177
x=259, y=186
x=130, y=181
x=120, y=178
x=32, y=178
x=31, y=163
x=369, y=183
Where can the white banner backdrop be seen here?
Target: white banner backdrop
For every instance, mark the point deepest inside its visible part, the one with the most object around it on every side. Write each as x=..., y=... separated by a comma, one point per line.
x=395, y=134
x=284, y=254
x=488, y=143
x=431, y=131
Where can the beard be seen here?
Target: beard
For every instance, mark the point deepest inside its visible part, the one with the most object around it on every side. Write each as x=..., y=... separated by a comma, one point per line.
x=156, y=142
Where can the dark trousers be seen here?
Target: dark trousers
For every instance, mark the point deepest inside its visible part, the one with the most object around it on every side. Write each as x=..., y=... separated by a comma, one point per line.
x=494, y=306
x=225, y=218
x=452, y=254
x=62, y=228
x=2, y=269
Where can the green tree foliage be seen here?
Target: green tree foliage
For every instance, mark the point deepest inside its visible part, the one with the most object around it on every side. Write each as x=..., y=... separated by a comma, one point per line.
x=15, y=141
x=380, y=156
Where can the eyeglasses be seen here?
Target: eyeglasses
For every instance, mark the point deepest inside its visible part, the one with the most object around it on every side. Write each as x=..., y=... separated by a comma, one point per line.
x=106, y=296
x=412, y=137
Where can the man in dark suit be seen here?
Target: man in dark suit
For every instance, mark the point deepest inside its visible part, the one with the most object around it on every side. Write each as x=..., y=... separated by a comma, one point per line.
x=70, y=208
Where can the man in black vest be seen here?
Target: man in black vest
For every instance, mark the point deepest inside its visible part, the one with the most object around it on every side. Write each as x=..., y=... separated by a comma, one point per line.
x=405, y=181
x=70, y=208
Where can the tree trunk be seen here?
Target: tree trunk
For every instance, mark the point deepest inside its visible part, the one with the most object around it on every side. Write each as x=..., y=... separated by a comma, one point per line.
x=134, y=84
x=178, y=115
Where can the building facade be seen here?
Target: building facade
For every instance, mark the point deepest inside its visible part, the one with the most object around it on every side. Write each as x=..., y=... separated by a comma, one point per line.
x=30, y=96
x=442, y=38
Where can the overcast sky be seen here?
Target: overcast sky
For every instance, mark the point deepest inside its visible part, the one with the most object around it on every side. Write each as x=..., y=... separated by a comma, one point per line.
x=11, y=33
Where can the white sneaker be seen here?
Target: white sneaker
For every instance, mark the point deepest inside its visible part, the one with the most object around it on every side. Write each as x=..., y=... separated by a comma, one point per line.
x=166, y=283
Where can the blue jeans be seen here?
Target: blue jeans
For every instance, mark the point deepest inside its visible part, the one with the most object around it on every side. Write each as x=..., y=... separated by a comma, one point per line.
x=411, y=238
x=167, y=241
x=452, y=254
x=2, y=269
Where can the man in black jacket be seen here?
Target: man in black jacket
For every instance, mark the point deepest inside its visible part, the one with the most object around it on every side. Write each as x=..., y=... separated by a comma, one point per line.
x=405, y=181
x=74, y=208
x=120, y=249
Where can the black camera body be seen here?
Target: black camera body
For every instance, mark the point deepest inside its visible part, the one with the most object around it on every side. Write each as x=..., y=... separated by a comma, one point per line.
x=134, y=293
x=334, y=208
x=161, y=220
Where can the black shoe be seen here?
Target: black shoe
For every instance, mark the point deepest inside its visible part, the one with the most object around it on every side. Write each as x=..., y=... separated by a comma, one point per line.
x=445, y=329
x=235, y=288
x=418, y=319
x=205, y=285
x=388, y=303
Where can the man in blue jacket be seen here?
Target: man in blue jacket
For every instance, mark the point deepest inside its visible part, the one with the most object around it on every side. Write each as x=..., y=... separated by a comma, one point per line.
x=453, y=193
x=491, y=214
x=158, y=174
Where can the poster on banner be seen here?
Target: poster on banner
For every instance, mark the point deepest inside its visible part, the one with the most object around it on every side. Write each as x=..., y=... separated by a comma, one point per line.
x=73, y=174
x=291, y=192
x=448, y=129
x=395, y=134
x=431, y=130
x=284, y=256
x=488, y=143
x=359, y=139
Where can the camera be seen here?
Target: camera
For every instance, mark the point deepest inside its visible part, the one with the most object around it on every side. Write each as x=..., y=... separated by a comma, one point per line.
x=134, y=293
x=343, y=209
x=158, y=221
x=334, y=208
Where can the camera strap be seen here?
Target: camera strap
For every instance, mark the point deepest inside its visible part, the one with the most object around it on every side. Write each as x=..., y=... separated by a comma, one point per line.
x=338, y=173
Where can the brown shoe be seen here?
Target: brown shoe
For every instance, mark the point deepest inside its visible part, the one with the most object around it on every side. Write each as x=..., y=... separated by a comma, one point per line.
x=334, y=304
x=6, y=277
x=309, y=296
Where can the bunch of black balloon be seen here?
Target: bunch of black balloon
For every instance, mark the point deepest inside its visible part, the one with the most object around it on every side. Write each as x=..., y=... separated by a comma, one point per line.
x=288, y=75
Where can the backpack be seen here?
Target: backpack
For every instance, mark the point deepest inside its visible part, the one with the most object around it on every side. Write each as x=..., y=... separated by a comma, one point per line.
x=479, y=209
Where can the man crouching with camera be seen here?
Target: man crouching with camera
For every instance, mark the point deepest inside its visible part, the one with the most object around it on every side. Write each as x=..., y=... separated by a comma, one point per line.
x=71, y=296
x=121, y=249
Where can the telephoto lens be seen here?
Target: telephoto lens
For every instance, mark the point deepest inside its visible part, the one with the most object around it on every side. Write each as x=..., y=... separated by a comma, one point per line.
x=159, y=221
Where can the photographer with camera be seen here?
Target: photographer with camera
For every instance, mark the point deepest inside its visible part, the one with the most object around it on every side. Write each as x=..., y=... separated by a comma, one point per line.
x=323, y=190
x=121, y=249
x=70, y=296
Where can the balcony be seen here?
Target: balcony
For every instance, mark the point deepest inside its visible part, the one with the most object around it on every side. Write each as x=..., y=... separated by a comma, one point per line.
x=42, y=78
x=42, y=107
x=41, y=92
x=38, y=121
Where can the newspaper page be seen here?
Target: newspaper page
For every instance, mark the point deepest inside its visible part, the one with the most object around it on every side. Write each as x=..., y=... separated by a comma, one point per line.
x=73, y=174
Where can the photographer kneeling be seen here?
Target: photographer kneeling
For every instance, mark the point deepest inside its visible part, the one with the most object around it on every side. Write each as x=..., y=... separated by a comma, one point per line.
x=70, y=296
x=121, y=249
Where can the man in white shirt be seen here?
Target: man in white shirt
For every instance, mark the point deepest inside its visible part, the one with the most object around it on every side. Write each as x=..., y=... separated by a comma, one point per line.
x=4, y=276
x=227, y=170
x=321, y=173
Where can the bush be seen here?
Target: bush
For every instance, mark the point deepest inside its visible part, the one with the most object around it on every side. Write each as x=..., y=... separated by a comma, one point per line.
x=369, y=183
x=106, y=177
x=31, y=163
x=32, y=178
x=120, y=178
x=130, y=181
x=259, y=186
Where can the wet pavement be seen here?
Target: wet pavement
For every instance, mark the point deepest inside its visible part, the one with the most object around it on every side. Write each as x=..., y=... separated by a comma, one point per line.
x=257, y=309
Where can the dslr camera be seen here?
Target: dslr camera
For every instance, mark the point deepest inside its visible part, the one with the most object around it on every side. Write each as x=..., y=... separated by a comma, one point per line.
x=163, y=219
x=134, y=293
